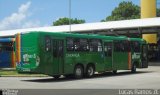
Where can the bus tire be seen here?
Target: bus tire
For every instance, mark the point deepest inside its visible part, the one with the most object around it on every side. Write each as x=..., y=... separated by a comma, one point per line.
x=133, y=69
x=56, y=76
x=90, y=71
x=114, y=71
x=78, y=72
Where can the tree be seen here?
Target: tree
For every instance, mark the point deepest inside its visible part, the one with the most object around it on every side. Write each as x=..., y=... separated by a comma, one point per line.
x=158, y=12
x=125, y=10
x=67, y=21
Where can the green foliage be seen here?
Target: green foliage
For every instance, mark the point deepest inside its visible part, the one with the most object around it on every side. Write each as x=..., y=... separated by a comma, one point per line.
x=67, y=21
x=125, y=10
x=158, y=12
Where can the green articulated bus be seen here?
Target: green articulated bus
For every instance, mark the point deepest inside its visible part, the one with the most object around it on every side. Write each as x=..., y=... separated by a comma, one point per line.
x=78, y=55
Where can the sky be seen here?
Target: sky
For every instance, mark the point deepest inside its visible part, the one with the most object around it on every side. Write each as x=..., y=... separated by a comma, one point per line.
x=16, y=14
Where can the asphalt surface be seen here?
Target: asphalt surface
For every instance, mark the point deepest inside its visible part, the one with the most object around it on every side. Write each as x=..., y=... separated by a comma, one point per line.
x=144, y=79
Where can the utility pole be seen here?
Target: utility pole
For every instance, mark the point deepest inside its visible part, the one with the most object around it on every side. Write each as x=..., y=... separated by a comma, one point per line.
x=70, y=15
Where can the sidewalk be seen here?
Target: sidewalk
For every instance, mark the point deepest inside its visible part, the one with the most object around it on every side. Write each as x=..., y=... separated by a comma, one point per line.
x=11, y=72
x=154, y=64
x=8, y=69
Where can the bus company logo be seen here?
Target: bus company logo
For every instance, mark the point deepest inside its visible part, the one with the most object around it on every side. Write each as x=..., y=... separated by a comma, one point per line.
x=9, y=92
x=73, y=55
x=26, y=57
x=135, y=55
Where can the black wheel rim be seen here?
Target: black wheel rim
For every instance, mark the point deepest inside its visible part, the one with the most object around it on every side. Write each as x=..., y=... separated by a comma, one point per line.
x=90, y=71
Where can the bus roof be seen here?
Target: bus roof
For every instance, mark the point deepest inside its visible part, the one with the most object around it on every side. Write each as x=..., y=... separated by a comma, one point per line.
x=63, y=34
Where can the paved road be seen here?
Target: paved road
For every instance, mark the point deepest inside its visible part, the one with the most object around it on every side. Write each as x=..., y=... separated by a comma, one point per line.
x=144, y=78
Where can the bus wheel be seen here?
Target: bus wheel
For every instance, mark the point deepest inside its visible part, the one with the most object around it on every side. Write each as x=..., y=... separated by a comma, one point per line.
x=133, y=69
x=56, y=76
x=78, y=72
x=114, y=71
x=90, y=71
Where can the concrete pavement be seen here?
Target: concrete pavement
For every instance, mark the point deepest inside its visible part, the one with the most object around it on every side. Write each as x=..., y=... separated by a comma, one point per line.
x=143, y=79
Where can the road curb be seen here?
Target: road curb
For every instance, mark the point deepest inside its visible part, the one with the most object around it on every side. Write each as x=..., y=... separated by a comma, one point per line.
x=23, y=76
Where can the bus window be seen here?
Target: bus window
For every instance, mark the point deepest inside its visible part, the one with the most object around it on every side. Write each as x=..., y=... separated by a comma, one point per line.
x=57, y=48
x=7, y=46
x=108, y=49
x=70, y=44
x=60, y=48
x=121, y=46
x=126, y=45
x=76, y=45
x=54, y=45
x=84, y=46
x=47, y=44
x=136, y=46
x=118, y=46
x=95, y=45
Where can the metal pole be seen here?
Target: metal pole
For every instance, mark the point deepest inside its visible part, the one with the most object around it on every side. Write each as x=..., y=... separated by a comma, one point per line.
x=70, y=15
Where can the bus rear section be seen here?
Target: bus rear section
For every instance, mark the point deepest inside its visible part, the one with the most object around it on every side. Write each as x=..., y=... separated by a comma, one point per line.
x=139, y=53
x=27, y=54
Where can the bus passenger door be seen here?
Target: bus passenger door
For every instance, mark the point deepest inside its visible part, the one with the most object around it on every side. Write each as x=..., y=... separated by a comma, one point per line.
x=58, y=56
x=108, y=53
x=144, y=56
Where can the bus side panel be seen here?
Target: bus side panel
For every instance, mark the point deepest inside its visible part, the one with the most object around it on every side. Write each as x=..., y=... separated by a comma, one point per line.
x=47, y=63
x=73, y=58
x=28, y=54
x=52, y=62
x=120, y=61
x=40, y=68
